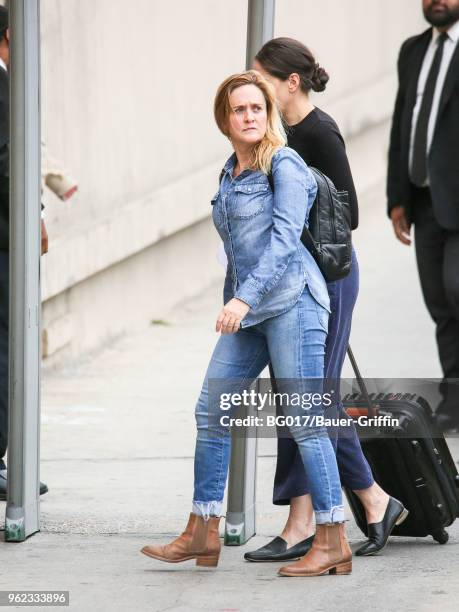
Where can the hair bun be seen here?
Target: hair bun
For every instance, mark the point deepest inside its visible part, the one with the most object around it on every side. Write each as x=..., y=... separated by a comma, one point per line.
x=319, y=78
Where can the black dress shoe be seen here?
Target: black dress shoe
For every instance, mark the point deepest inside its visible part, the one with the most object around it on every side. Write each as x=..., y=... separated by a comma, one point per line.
x=277, y=550
x=378, y=533
x=3, y=483
x=448, y=424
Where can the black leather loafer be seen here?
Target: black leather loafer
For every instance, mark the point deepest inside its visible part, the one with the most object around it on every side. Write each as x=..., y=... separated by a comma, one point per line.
x=378, y=533
x=447, y=423
x=3, y=484
x=277, y=550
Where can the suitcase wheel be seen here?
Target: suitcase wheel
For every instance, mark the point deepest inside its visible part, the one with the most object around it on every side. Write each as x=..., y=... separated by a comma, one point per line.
x=441, y=536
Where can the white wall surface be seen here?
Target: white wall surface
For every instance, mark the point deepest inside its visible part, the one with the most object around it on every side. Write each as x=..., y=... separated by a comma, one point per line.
x=127, y=95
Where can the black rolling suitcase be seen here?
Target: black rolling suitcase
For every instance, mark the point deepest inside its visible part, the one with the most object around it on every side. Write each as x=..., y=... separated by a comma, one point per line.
x=410, y=460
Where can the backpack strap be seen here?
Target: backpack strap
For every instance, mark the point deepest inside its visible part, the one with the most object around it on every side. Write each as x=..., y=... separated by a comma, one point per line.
x=271, y=180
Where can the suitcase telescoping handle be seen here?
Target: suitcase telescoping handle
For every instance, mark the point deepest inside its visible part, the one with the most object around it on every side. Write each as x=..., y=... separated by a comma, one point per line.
x=372, y=412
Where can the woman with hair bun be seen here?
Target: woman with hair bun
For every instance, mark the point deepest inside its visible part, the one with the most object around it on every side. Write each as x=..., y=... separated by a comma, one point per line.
x=275, y=300
x=293, y=71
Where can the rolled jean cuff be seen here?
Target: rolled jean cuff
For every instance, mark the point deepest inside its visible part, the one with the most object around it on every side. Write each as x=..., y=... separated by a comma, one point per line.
x=207, y=509
x=335, y=515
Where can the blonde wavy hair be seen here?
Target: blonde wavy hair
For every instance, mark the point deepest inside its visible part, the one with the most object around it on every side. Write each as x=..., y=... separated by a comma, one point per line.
x=275, y=136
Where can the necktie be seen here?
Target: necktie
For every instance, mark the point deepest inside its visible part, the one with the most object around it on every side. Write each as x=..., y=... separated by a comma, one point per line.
x=419, y=162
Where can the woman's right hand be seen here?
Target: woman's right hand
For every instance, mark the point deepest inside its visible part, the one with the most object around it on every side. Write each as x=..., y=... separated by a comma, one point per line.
x=231, y=315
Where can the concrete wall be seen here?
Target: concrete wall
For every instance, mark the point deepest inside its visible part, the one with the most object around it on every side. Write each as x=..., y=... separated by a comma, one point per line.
x=127, y=91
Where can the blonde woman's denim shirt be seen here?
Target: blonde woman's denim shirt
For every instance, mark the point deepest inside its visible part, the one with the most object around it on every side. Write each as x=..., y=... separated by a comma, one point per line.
x=268, y=266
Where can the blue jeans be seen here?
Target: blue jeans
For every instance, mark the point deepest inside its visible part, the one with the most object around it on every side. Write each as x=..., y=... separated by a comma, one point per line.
x=294, y=342
x=355, y=473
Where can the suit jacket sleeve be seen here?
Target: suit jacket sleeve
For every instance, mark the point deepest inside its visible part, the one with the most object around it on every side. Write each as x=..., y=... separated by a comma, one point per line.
x=394, y=167
x=4, y=122
x=4, y=108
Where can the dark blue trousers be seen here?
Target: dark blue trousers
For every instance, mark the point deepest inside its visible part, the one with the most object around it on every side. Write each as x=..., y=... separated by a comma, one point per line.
x=4, y=307
x=355, y=473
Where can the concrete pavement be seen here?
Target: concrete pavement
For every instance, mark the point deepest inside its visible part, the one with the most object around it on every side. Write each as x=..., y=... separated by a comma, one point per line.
x=117, y=448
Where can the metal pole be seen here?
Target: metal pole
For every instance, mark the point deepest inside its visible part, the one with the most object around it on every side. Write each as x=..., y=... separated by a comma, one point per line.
x=240, y=524
x=260, y=26
x=23, y=509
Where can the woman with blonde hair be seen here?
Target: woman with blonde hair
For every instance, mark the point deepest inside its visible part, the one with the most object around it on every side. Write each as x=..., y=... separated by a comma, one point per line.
x=276, y=309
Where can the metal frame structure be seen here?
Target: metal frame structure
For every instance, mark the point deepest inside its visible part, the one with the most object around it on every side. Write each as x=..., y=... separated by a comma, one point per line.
x=240, y=523
x=23, y=505
x=23, y=508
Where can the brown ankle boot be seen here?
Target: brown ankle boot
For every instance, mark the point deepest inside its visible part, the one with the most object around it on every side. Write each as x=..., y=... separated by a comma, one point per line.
x=330, y=553
x=199, y=541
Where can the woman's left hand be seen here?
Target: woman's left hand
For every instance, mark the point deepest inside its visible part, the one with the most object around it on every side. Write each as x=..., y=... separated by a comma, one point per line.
x=231, y=315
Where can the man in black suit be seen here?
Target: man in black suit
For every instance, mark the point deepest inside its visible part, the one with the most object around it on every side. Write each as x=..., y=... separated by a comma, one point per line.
x=4, y=245
x=423, y=179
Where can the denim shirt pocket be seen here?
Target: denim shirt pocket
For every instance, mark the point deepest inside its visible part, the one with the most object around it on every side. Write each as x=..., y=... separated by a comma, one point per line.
x=248, y=200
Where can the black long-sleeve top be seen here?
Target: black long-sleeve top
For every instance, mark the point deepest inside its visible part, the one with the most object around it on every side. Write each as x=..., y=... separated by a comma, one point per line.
x=318, y=141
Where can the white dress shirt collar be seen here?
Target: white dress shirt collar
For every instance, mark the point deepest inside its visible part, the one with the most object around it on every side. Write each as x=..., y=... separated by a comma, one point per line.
x=3, y=65
x=452, y=33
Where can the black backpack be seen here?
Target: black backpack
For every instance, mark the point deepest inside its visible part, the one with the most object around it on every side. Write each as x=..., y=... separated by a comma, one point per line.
x=329, y=235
